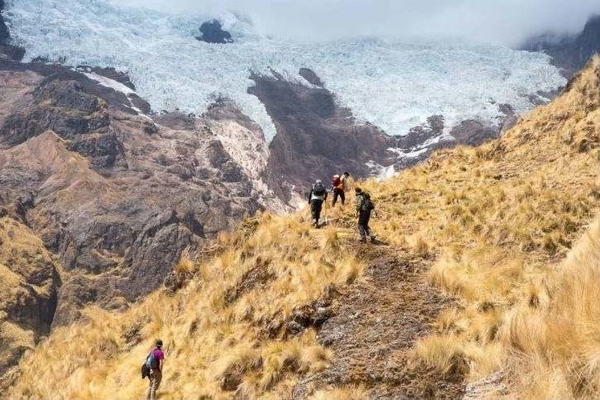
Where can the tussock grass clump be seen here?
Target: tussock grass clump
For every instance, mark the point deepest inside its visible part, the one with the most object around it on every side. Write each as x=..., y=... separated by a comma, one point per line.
x=523, y=309
x=557, y=341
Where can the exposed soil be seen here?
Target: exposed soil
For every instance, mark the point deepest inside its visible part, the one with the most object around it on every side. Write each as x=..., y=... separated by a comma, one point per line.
x=375, y=326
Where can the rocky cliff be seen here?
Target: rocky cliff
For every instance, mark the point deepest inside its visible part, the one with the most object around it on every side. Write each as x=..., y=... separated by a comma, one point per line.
x=114, y=195
x=317, y=138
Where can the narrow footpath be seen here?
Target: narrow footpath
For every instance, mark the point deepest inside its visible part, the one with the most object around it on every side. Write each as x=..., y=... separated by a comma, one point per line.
x=375, y=326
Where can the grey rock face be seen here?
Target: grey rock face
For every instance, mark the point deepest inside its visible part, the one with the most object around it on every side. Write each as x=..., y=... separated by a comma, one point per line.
x=310, y=76
x=7, y=49
x=570, y=53
x=212, y=32
x=316, y=138
x=114, y=196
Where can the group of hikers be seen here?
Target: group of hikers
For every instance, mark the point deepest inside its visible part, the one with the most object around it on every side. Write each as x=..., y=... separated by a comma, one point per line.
x=339, y=185
x=152, y=366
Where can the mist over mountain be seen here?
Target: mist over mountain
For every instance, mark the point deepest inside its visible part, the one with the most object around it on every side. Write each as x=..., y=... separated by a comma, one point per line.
x=568, y=52
x=500, y=21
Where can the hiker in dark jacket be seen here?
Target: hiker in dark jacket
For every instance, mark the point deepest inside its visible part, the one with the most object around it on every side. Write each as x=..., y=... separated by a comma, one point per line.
x=364, y=206
x=156, y=370
x=316, y=197
x=339, y=187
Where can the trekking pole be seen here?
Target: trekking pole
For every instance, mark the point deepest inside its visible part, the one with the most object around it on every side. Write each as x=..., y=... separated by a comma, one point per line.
x=325, y=212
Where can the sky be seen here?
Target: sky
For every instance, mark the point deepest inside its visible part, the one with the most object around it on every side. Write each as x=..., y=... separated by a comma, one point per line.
x=500, y=21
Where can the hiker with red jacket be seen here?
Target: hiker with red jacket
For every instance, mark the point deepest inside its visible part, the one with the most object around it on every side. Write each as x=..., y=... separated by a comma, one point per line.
x=338, y=186
x=155, y=360
x=316, y=197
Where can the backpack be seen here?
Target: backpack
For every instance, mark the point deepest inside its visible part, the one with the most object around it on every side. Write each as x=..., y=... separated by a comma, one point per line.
x=335, y=181
x=151, y=361
x=367, y=204
x=319, y=189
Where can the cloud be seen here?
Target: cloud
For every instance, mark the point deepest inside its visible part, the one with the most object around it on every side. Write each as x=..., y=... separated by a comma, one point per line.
x=503, y=21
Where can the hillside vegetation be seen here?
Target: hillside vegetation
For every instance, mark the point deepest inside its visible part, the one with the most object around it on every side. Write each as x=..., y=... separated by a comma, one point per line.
x=505, y=229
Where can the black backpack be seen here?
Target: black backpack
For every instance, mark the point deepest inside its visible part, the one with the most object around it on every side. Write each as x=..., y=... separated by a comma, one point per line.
x=319, y=189
x=145, y=369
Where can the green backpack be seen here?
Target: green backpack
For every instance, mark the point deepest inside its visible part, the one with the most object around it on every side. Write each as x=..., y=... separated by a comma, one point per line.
x=367, y=204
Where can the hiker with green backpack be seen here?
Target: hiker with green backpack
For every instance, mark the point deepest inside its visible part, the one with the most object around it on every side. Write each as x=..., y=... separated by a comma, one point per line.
x=364, y=206
x=152, y=368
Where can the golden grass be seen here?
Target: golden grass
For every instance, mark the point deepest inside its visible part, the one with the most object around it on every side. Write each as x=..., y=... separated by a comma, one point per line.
x=212, y=338
x=518, y=310
x=494, y=223
x=557, y=342
x=346, y=393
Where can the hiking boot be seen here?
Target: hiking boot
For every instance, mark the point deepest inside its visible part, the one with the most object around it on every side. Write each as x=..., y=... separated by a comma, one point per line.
x=363, y=240
x=373, y=239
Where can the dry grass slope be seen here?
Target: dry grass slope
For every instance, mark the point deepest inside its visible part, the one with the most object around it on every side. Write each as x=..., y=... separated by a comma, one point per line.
x=495, y=223
x=225, y=330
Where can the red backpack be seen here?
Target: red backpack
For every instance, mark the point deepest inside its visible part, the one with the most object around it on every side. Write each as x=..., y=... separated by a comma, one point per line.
x=335, y=180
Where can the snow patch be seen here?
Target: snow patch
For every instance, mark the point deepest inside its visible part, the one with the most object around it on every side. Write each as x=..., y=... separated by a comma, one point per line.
x=109, y=83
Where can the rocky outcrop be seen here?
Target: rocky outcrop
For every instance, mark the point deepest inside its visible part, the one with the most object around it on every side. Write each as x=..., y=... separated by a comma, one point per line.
x=315, y=137
x=116, y=195
x=212, y=32
x=310, y=76
x=422, y=140
x=29, y=284
x=110, y=73
x=570, y=53
x=80, y=118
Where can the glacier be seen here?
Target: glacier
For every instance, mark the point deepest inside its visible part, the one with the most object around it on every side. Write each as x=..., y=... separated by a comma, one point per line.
x=394, y=84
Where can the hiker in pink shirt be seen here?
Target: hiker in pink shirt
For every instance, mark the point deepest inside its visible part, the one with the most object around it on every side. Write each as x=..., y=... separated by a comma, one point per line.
x=156, y=358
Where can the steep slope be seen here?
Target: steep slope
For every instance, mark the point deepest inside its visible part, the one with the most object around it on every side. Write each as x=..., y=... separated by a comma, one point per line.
x=29, y=281
x=115, y=195
x=278, y=310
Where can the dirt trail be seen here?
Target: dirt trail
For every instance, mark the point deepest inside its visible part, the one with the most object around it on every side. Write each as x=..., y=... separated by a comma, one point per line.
x=375, y=326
